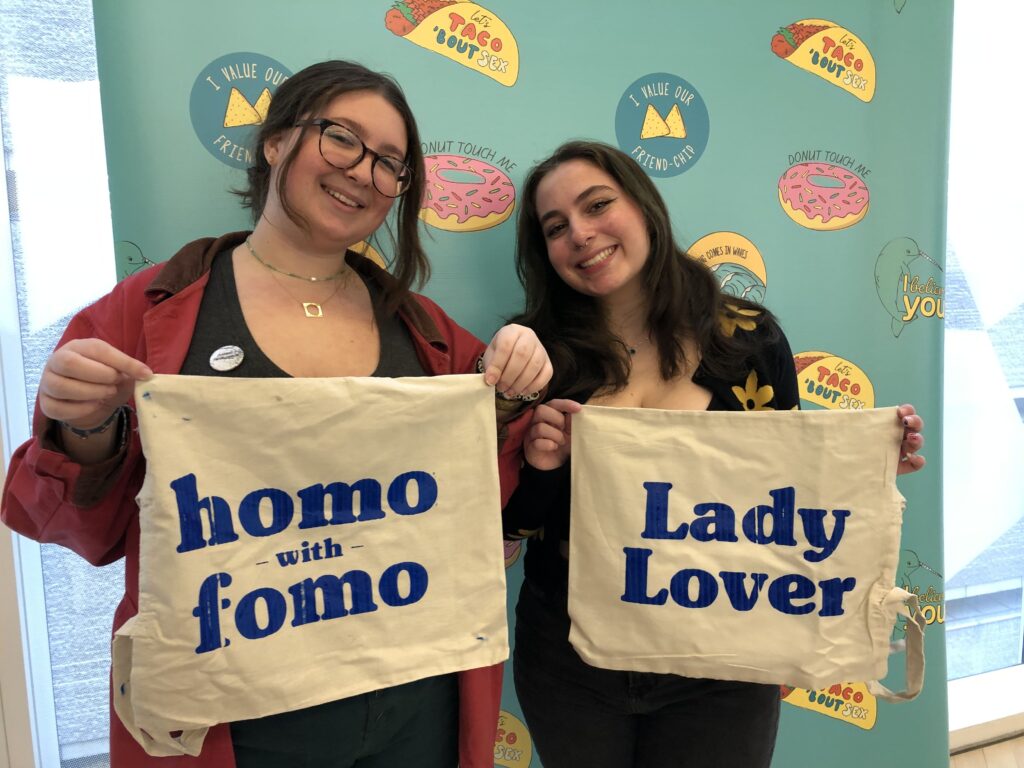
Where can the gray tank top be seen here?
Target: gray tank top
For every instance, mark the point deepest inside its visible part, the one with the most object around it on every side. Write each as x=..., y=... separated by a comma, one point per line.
x=221, y=324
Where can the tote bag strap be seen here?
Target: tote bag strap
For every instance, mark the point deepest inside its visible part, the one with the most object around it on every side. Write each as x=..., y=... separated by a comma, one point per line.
x=158, y=744
x=906, y=604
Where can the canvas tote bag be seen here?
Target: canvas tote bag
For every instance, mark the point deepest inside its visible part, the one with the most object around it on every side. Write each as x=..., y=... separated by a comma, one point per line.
x=304, y=540
x=754, y=546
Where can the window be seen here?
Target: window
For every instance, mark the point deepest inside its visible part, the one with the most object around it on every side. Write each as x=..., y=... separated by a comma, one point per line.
x=984, y=399
x=59, y=224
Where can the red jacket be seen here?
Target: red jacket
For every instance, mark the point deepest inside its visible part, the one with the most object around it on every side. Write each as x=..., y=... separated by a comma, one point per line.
x=91, y=510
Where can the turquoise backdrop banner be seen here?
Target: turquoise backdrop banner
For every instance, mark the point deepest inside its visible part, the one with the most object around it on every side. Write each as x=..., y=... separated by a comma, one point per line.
x=801, y=148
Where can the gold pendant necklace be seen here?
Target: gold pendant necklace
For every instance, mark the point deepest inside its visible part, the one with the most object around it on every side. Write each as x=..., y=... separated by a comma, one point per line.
x=312, y=309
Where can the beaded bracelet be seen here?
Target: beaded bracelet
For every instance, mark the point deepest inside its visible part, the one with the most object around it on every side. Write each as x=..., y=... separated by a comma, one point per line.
x=501, y=395
x=82, y=434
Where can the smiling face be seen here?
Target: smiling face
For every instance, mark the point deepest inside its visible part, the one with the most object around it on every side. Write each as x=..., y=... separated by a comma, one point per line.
x=340, y=207
x=596, y=235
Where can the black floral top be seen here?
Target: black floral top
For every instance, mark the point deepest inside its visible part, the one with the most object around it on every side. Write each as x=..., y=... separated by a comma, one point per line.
x=539, y=508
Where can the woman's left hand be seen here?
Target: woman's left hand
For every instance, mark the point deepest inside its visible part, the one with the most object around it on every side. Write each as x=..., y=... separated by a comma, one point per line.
x=913, y=440
x=515, y=362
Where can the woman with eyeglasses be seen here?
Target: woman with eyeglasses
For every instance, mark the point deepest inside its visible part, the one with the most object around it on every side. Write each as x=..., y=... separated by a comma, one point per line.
x=338, y=148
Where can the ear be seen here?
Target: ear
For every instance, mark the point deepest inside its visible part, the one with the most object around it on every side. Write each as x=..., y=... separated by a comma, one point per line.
x=273, y=148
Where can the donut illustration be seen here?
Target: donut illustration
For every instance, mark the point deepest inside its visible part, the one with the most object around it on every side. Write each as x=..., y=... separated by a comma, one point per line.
x=363, y=248
x=465, y=194
x=822, y=196
x=512, y=551
x=735, y=262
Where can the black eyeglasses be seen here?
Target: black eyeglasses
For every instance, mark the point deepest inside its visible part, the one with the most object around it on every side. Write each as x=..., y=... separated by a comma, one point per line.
x=340, y=147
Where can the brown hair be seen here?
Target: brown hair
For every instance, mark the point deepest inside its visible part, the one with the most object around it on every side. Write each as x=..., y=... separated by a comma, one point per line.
x=305, y=94
x=684, y=300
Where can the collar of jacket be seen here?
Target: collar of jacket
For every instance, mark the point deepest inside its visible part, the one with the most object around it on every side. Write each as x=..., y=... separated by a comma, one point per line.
x=195, y=258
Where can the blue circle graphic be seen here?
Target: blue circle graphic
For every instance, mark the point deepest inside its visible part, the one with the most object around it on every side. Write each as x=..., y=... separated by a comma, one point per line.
x=662, y=123
x=229, y=101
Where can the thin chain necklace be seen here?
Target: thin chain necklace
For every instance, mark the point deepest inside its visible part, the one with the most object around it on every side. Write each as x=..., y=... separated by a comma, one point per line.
x=341, y=272
x=312, y=309
x=632, y=348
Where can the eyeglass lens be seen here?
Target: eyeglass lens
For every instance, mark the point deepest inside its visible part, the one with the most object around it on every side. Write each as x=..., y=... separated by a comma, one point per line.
x=343, y=149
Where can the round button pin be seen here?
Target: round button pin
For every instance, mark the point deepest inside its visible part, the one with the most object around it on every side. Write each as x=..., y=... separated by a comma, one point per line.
x=227, y=358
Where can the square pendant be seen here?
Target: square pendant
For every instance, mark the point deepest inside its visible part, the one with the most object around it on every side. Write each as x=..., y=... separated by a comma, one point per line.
x=312, y=309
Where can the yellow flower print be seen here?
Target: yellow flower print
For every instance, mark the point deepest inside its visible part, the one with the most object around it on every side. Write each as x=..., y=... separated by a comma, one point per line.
x=734, y=318
x=752, y=397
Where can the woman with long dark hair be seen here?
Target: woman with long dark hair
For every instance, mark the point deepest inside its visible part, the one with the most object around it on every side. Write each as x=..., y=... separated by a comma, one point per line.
x=629, y=320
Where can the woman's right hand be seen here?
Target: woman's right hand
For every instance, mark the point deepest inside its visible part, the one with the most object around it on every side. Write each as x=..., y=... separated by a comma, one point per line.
x=86, y=380
x=549, y=439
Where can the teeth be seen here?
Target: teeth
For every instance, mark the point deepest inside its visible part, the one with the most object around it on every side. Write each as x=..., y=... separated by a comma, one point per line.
x=342, y=198
x=598, y=258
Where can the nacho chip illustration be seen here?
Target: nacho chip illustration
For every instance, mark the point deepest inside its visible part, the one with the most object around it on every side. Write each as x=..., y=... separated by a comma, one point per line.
x=240, y=112
x=829, y=51
x=671, y=126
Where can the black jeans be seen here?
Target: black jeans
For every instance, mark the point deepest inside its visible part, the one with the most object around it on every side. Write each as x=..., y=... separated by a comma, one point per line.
x=580, y=715
x=412, y=724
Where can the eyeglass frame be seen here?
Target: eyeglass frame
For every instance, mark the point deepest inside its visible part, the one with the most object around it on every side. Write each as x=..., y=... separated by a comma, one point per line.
x=323, y=124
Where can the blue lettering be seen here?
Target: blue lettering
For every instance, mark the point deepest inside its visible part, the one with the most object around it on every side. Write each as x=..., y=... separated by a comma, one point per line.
x=734, y=587
x=781, y=514
x=722, y=520
x=388, y=585
x=657, y=514
x=208, y=612
x=217, y=511
x=313, y=507
x=814, y=530
x=785, y=589
x=281, y=508
x=245, y=614
x=636, y=579
x=707, y=588
x=331, y=589
x=832, y=591
x=398, y=493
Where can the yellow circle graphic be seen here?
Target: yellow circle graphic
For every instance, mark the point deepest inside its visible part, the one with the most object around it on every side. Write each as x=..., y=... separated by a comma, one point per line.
x=735, y=262
x=513, y=747
x=513, y=549
x=832, y=382
x=363, y=248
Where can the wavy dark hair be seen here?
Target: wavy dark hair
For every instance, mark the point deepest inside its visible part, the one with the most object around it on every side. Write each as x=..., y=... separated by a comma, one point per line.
x=305, y=94
x=683, y=297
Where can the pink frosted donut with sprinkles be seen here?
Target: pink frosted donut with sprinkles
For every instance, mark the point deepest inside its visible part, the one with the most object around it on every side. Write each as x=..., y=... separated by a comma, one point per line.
x=465, y=194
x=822, y=196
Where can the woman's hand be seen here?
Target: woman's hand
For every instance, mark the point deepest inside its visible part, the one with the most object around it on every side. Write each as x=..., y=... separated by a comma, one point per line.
x=515, y=362
x=549, y=439
x=86, y=380
x=913, y=440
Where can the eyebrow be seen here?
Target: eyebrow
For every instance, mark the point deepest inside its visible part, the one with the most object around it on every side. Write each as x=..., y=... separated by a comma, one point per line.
x=356, y=126
x=581, y=196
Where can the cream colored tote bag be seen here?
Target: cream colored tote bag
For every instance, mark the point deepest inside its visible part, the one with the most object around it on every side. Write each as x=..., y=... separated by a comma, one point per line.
x=739, y=546
x=304, y=540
